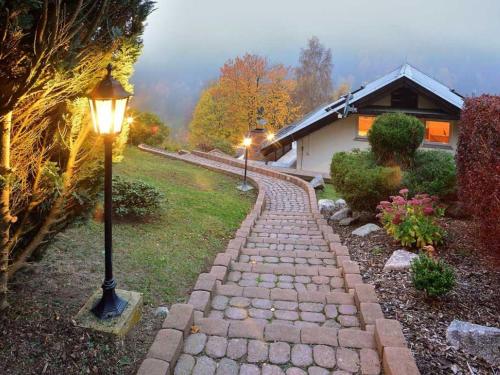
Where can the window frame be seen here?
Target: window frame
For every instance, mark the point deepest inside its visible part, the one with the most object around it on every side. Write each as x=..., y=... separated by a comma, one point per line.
x=437, y=144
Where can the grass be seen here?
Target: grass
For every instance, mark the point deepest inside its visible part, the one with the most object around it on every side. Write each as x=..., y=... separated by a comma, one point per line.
x=328, y=193
x=163, y=257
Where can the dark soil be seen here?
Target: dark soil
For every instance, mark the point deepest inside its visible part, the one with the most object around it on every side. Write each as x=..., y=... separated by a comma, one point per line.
x=38, y=335
x=475, y=298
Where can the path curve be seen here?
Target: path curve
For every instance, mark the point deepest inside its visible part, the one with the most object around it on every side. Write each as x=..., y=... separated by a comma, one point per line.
x=284, y=297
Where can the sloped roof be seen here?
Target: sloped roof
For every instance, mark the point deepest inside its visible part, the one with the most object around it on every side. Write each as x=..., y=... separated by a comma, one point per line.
x=405, y=71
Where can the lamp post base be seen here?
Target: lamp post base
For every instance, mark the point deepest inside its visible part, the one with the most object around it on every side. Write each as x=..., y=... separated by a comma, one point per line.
x=245, y=187
x=110, y=305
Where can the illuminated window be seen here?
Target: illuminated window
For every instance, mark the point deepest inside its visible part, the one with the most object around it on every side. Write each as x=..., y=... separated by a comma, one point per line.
x=364, y=124
x=437, y=131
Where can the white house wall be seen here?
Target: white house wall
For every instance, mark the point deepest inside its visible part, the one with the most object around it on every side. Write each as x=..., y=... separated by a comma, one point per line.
x=315, y=151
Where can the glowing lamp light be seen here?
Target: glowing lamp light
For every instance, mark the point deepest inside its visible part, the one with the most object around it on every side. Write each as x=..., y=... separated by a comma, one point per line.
x=130, y=120
x=270, y=136
x=247, y=141
x=108, y=103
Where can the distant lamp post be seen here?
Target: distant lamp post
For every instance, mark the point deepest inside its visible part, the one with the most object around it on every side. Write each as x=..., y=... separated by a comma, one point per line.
x=108, y=103
x=247, y=142
x=130, y=120
x=270, y=136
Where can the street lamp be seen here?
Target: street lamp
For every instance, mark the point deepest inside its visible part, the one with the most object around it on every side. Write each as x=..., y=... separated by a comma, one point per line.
x=108, y=103
x=247, y=141
x=270, y=137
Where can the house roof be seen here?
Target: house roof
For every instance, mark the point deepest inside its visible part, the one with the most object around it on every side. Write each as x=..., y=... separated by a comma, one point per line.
x=327, y=113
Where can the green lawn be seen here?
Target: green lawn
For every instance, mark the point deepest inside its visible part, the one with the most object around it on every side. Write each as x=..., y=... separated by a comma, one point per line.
x=328, y=193
x=163, y=257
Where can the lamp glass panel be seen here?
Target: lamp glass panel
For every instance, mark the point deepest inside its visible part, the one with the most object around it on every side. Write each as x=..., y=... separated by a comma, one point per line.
x=106, y=119
x=437, y=131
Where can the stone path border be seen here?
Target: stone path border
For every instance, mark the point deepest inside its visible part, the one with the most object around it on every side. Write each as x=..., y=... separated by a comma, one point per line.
x=385, y=336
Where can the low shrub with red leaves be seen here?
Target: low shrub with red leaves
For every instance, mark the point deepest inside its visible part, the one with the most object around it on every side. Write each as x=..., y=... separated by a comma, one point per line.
x=478, y=165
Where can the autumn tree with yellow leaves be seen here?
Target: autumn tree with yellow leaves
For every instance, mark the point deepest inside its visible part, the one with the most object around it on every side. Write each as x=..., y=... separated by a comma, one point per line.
x=228, y=107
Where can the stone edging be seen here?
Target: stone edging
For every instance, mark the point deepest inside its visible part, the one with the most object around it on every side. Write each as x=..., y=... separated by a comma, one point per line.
x=390, y=342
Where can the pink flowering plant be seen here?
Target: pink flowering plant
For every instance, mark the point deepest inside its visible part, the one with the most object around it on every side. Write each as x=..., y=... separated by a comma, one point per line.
x=412, y=221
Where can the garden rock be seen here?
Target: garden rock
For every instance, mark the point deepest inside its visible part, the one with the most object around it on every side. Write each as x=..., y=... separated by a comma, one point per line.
x=183, y=152
x=366, y=229
x=340, y=203
x=326, y=206
x=317, y=182
x=349, y=220
x=399, y=260
x=341, y=214
x=161, y=311
x=475, y=339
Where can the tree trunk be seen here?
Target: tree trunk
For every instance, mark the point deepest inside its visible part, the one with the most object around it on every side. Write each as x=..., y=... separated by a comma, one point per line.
x=5, y=214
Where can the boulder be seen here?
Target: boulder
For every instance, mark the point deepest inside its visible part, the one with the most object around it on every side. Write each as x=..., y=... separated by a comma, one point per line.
x=182, y=152
x=475, y=339
x=317, y=182
x=399, y=260
x=326, y=206
x=341, y=214
x=349, y=220
x=340, y=203
x=161, y=311
x=366, y=229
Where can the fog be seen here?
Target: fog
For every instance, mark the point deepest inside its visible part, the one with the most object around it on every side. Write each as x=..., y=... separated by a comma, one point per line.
x=187, y=41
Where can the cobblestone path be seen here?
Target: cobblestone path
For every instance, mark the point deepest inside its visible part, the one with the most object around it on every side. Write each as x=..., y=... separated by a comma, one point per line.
x=284, y=298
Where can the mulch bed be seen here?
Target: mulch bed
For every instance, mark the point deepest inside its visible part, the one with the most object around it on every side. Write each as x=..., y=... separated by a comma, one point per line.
x=38, y=335
x=474, y=299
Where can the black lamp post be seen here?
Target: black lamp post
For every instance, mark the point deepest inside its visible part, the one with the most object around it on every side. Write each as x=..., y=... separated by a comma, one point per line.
x=108, y=103
x=247, y=141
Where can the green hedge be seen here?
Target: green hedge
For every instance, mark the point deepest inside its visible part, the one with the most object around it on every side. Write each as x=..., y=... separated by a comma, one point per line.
x=361, y=182
x=433, y=172
x=395, y=137
x=135, y=199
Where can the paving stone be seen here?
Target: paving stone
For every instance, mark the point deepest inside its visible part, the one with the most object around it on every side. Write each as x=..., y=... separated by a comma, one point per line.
x=180, y=318
x=237, y=348
x=319, y=335
x=315, y=370
x=348, y=321
x=331, y=311
x=283, y=295
x=272, y=370
x=236, y=313
x=257, y=351
x=220, y=302
x=324, y=356
x=295, y=371
x=200, y=300
x=279, y=353
x=286, y=315
x=370, y=362
x=216, y=346
x=311, y=307
x=185, y=365
x=347, y=359
x=356, y=338
x=246, y=329
x=195, y=343
x=282, y=332
x=312, y=317
x=256, y=292
x=347, y=309
x=152, y=366
x=204, y=366
x=247, y=369
x=227, y=367
x=262, y=303
x=166, y=346
x=239, y=302
x=302, y=355
x=211, y=326
x=285, y=305
x=260, y=313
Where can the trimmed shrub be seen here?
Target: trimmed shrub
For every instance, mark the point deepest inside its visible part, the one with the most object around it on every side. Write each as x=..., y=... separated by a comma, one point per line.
x=412, y=221
x=360, y=181
x=434, y=277
x=135, y=199
x=433, y=172
x=478, y=165
x=395, y=137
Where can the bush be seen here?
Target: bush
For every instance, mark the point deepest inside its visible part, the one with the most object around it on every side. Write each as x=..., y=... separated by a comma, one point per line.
x=135, y=199
x=433, y=172
x=412, y=221
x=362, y=183
x=435, y=277
x=147, y=128
x=478, y=165
x=395, y=137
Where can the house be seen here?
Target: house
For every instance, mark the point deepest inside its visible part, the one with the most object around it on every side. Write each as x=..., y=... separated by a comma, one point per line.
x=343, y=125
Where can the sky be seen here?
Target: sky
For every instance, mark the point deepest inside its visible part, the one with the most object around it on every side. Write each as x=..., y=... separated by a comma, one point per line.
x=186, y=42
